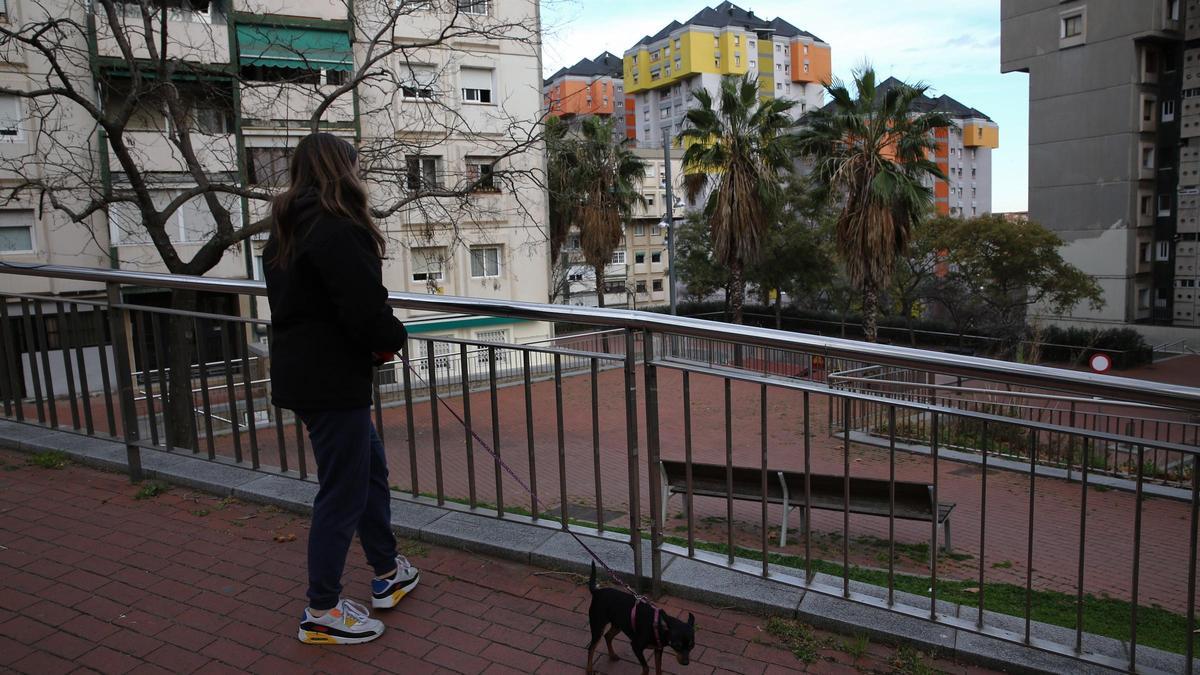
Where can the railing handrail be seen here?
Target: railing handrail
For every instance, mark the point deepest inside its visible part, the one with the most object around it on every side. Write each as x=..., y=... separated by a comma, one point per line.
x=1156, y=393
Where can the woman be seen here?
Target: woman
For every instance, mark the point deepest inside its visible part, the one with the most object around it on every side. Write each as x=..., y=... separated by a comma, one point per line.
x=331, y=323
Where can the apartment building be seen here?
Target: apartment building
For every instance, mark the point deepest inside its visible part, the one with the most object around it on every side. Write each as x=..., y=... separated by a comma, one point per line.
x=639, y=274
x=663, y=70
x=963, y=153
x=1114, y=157
x=456, y=121
x=591, y=88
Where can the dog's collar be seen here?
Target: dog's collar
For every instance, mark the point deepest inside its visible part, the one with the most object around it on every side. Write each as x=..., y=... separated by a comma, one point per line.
x=653, y=626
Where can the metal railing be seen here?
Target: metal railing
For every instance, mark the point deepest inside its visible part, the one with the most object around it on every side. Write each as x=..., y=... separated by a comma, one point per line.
x=570, y=412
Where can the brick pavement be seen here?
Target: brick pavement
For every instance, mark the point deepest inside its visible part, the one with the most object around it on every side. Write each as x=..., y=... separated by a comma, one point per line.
x=94, y=580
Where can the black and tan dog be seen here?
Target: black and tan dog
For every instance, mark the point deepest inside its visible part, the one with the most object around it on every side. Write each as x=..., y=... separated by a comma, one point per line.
x=645, y=624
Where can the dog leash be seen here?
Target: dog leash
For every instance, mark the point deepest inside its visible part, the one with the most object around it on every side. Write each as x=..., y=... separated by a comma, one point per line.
x=533, y=498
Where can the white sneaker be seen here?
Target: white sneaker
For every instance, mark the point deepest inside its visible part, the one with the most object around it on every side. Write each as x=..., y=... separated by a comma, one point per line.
x=385, y=593
x=348, y=623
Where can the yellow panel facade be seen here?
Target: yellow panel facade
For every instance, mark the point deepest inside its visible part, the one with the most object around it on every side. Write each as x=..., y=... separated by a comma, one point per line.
x=699, y=51
x=986, y=135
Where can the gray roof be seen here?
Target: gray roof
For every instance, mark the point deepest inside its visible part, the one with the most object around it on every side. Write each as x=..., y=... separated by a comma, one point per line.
x=923, y=103
x=607, y=64
x=728, y=14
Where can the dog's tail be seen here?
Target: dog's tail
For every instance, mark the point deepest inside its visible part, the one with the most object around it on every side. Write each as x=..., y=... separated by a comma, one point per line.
x=592, y=581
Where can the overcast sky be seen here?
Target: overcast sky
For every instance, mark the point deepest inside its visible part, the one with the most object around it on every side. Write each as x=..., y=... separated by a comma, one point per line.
x=951, y=45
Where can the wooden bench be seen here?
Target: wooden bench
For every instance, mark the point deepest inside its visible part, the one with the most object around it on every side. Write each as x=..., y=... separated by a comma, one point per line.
x=868, y=496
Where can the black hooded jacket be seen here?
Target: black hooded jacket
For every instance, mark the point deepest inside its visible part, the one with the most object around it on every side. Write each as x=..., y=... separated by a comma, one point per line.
x=329, y=312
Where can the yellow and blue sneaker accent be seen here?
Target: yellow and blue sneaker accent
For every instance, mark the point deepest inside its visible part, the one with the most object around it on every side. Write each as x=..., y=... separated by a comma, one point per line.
x=348, y=623
x=385, y=593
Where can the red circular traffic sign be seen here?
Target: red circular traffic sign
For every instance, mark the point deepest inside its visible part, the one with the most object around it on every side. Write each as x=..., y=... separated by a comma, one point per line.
x=1101, y=363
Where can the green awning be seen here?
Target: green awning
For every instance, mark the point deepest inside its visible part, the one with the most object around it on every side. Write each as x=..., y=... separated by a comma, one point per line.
x=288, y=47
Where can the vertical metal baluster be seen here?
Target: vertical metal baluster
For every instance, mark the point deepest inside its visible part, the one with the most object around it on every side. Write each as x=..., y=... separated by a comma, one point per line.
x=205, y=398
x=31, y=349
x=891, y=599
x=124, y=375
x=10, y=364
x=653, y=476
x=631, y=440
x=1029, y=550
x=1191, y=610
x=64, y=346
x=85, y=390
x=687, y=461
x=1137, y=561
x=983, y=522
x=534, y=503
x=1083, y=495
x=14, y=364
x=110, y=413
x=595, y=376
x=496, y=431
x=248, y=388
x=280, y=438
x=51, y=398
x=763, y=432
x=231, y=394
x=846, y=502
x=562, y=447
x=431, y=357
x=139, y=325
x=808, y=568
x=464, y=365
x=729, y=467
x=164, y=392
x=301, y=460
x=411, y=430
x=933, y=551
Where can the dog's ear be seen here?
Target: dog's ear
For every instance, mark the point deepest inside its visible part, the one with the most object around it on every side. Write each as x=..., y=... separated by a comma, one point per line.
x=691, y=620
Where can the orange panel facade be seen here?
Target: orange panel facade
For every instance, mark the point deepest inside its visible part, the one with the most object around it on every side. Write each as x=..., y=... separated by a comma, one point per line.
x=811, y=62
x=576, y=97
x=941, y=155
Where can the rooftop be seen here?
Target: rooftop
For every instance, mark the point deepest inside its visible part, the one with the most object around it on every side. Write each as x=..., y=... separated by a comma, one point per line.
x=728, y=14
x=605, y=64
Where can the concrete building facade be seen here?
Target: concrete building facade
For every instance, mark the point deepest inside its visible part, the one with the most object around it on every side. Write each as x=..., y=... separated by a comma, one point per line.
x=1114, y=156
x=663, y=70
x=591, y=87
x=456, y=112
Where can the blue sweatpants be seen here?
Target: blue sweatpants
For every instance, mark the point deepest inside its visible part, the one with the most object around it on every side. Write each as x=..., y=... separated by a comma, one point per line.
x=353, y=497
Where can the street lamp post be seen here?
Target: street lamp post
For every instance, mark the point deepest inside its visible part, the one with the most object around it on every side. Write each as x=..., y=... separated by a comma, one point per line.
x=669, y=220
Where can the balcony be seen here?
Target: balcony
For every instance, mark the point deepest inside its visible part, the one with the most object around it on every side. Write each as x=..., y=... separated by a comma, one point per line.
x=1061, y=486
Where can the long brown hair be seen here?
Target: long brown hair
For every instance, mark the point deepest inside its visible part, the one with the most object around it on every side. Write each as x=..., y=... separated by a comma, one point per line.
x=327, y=165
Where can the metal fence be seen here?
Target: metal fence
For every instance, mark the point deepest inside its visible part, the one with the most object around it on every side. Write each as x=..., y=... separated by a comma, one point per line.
x=595, y=421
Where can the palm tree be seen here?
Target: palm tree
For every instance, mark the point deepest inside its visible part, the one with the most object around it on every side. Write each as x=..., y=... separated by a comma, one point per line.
x=874, y=152
x=738, y=148
x=594, y=182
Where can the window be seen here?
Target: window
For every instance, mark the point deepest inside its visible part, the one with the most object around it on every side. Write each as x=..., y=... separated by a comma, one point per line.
x=427, y=264
x=641, y=287
x=1168, y=111
x=498, y=335
x=476, y=7
x=656, y=257
x=423, y=172
x=639, y=258
x=16, y=231
x=1144, y=298
x=418, y=82
x=778, y=47
x=268, y=167
x=1163, y=251
x=737, y=59
x=639, y=230
x=1146, y=254
x=485, y=261
x=753, y=65
x=177, y=10
x=10, y=118
x=1146, y=205
x=618, y=258
x=1173, y=10
x=1072, y=26
x=1164, y=205
x=1147, y=158
x=479, y=171
x=476, y=85
x=657, y=285
x=192, y=222
x=1147, y=110
x=614, y=287
x=737, y=40
x=575, y=276
x=649, y=200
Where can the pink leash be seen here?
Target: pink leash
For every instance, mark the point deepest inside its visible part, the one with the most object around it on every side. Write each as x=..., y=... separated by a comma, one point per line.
x=536, y=506
x=654, y=626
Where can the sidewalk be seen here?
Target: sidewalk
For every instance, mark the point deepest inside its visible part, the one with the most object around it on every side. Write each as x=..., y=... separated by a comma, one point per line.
x=182, y=581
